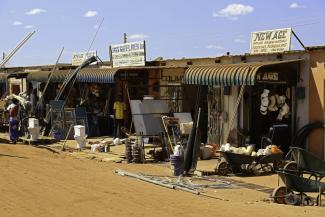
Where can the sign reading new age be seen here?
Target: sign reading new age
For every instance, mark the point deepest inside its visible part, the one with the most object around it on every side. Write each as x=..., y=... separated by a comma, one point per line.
x=128, y=54
x=270, y=41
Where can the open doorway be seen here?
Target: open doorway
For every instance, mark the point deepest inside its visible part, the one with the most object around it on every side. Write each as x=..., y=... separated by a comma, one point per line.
x=270, y=114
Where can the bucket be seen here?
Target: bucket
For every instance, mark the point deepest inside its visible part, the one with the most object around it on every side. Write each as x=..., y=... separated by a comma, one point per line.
x=56, y=134
x=177, y=165
x=206, y=152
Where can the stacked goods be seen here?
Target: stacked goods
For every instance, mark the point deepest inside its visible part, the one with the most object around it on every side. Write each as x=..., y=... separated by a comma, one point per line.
x=136, y=154
x=249, y=150
x=128, y=151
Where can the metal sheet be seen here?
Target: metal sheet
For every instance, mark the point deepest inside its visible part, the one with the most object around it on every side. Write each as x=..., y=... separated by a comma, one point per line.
x=183, y=117
x=149, y=106
x=148, y=124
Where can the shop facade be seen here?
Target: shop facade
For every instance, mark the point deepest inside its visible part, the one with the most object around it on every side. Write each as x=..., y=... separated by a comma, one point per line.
x=96, y=89
x=237, y=85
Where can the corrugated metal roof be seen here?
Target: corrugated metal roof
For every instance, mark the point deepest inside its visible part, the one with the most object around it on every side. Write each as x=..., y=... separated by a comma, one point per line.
x=88, y=75
x=93, y=75
x=42, y=76
x=227, y=74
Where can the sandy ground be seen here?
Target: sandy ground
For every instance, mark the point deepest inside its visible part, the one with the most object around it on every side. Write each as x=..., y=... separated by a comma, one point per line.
x=37, y=182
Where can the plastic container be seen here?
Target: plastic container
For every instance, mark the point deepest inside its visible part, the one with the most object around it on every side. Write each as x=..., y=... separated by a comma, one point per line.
x=80, y=130
x=177, y=164
x=206, y=152
x=33, y=123
x=56, y=134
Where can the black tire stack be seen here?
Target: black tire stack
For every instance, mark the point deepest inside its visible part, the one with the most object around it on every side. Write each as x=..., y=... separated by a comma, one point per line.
x=128, y=151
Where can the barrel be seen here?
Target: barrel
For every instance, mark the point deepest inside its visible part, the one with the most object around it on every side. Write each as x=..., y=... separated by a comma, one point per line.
x=177, y=164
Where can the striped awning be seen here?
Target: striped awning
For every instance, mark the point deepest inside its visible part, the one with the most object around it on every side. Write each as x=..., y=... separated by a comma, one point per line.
x=42, y=76
x=94, y=75
x=87, y=75
x=227, y=74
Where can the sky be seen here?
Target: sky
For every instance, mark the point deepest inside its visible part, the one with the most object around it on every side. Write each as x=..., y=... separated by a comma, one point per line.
x=171, y=28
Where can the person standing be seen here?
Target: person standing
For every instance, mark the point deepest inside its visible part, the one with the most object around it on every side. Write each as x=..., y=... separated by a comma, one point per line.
x=119, y=109
x=13, y=110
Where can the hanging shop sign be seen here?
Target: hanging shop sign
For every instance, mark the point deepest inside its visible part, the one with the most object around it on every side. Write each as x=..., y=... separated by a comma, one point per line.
x=80, y=57
x=270, y=41
x=128, y=54
x=289, y=77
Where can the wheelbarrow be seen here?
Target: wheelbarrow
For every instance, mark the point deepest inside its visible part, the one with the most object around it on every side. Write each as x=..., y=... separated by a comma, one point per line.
x=245, y=164
x=306, y=162
x=299, y=184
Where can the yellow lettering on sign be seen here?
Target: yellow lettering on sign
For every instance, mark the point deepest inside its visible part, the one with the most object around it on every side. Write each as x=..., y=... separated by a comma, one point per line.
x=268, y=76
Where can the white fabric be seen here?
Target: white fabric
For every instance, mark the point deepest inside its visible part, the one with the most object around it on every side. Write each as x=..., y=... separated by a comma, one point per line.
x=266, y=91
x=281, y=100
x=283, y=111
x=265, y=102
x=11, y=106
x=264, y=95
x=272, y=105
x=263, y=108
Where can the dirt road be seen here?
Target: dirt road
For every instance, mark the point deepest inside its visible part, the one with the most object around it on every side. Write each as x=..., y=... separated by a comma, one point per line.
x=36, y=182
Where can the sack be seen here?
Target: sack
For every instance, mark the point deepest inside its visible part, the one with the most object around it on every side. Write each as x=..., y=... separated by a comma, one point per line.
x=13, y=112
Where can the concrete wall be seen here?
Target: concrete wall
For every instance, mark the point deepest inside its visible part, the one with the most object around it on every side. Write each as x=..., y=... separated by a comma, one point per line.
x=316, y=96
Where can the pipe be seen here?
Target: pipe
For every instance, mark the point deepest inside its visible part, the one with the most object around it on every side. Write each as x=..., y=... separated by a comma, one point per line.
x=18, y=46
x=140, y=177
x=124, y=173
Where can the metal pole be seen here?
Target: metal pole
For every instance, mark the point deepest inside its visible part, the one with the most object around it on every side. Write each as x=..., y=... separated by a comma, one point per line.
x=51, y=74
x=125, y=38
x=294, y=34
x=235, y=111
x=18, y=46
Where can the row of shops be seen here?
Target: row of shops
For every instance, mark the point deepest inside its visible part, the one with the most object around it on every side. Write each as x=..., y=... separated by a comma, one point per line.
x=242, y=96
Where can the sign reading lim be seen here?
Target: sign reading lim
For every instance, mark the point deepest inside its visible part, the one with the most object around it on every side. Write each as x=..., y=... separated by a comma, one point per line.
x=128, y=54
x=80, y=57
x=270, y=41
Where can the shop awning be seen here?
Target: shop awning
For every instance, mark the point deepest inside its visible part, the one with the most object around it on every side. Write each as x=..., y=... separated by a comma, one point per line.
x=227, y=74
x=42, y=76
x=93, y=75
x=88, y=75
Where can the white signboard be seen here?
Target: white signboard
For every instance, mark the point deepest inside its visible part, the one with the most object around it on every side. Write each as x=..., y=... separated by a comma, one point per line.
x=80, y=57
x=128, y=54
x=270, y=41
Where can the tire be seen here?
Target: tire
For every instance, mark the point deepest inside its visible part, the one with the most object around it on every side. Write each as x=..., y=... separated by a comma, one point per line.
x=279, y=195
x=222, y=168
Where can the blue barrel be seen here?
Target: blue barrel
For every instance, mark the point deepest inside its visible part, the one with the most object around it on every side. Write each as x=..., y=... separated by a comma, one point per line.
x=56, y=134
x=177, y=164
